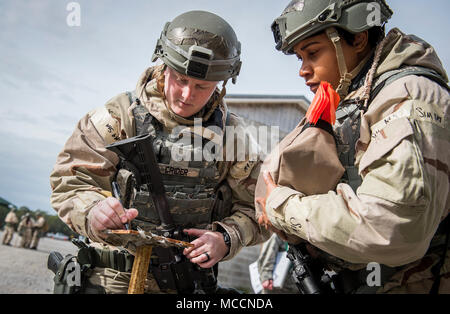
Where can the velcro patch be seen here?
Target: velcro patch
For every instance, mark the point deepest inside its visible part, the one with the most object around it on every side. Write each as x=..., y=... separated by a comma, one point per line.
x=106, y=125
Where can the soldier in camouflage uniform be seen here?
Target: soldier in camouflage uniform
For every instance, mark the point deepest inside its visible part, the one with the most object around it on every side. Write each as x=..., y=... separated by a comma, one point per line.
x=25, y=230
x=266, y=265
x=198, y=49
x=11, y=221
x=392, y=133
x=39, y=228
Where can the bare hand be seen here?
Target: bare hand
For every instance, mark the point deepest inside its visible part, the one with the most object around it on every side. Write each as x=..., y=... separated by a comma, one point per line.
x=270, y=186
x=110, y=214
x=264, y=219
x=268, y=284
x=209, y=242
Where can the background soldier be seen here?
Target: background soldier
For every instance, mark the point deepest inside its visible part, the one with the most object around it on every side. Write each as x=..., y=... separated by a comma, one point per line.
x=210, y=200
x=25, y=230
x=11, y=222
x=39, y=228
x=392, y=138
x=266, y=265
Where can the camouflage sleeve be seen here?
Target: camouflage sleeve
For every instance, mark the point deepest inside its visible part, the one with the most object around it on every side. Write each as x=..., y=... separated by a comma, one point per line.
x=39, y=223
x=11, y=218
x=405, y=190
x=241, y=175
x=84, y=168
x=267, y=257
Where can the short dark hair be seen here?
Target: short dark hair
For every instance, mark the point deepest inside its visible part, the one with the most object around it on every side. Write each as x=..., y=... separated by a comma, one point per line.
x=376, y=34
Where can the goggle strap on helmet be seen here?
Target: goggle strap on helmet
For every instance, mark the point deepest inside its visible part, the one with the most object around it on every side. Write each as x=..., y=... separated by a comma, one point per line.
x=190, y=56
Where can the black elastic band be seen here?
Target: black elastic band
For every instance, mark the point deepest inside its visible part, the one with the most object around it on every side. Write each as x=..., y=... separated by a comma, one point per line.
x=321, y=124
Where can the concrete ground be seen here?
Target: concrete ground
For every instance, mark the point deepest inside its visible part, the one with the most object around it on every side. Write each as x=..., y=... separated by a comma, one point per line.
x=24, y=270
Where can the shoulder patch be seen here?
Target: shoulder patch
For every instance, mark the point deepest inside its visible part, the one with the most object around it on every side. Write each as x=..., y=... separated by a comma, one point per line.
x=107, y=126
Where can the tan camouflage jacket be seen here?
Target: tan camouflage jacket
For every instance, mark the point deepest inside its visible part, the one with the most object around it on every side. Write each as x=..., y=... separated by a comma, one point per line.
x=84, y=169
x=24, y=225
x=267, y=257
x=11, y=218
x=40, y=223
x=403, y=158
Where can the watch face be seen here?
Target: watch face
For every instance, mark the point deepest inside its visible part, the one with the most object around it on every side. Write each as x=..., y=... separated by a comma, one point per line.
x=226, y=238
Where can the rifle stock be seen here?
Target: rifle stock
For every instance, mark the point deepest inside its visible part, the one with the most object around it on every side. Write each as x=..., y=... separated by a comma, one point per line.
x=137, y=155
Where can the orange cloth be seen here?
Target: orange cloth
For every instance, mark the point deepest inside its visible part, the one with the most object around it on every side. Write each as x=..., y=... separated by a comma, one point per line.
x=324, y=104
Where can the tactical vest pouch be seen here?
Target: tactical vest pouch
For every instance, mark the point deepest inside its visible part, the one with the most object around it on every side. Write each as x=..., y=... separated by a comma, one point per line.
x=222, y=205
x=173, y=277
x=174, y=272
x=104, y=258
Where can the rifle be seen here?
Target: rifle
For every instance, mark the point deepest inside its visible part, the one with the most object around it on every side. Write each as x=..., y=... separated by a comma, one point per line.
x=308, y=274
x=173, y=270
x=137, y=155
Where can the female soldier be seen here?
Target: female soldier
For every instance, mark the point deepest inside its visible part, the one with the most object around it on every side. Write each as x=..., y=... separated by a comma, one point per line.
x=198, y=49
x=392, y=138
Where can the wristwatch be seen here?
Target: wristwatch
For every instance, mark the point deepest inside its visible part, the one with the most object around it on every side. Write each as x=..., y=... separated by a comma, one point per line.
x=226, y=238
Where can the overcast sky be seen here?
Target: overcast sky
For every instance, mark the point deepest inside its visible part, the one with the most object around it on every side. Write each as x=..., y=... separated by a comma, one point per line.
x=51, y=74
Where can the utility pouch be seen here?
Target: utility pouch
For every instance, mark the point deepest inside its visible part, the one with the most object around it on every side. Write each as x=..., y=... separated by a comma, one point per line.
x=175, y=272
x=172, y=271
x=206, y=278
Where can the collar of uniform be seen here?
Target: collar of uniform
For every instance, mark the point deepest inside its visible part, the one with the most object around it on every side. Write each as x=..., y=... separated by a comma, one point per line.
x=360, y=78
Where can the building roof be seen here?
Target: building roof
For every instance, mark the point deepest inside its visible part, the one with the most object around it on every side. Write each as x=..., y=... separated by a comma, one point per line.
x=282, y=111
x=5, y=202
x=289, y=98
x=299, y=101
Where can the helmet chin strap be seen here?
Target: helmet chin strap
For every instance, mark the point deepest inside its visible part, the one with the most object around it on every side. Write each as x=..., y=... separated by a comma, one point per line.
x=217, y=102
x=346, y=77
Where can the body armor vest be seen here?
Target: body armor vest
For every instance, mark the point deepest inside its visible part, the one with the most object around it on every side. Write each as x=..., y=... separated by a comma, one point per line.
x=195, y=196
x=346, y=133
x=346, y=130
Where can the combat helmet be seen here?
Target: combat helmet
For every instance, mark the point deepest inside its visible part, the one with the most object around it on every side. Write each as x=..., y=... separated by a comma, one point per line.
x=201, y=45
x=304, y=18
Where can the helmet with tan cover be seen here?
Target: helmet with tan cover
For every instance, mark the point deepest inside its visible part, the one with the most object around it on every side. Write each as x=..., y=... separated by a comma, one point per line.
x=201, y=45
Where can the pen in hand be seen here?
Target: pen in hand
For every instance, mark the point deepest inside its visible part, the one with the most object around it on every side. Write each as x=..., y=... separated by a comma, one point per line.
x=116, y=193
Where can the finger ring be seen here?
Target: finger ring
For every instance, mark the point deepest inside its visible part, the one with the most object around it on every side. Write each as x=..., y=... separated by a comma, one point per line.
x=207, y=256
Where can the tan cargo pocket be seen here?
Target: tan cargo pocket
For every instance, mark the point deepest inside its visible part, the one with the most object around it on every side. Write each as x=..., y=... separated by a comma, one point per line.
x=384, y=140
